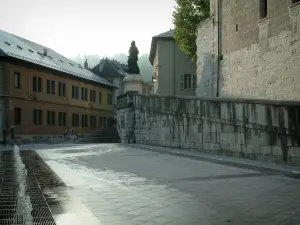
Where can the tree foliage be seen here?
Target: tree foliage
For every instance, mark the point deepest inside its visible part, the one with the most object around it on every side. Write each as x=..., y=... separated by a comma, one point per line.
x=186, y=17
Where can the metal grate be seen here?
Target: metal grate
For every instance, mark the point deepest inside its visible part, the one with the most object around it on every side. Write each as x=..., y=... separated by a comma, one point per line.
x=39, y=177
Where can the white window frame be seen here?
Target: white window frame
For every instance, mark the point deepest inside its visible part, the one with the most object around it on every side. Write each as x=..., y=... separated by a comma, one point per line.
x=188, y=81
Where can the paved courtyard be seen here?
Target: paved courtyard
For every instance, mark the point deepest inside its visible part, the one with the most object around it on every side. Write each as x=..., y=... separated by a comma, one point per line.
x=114, y=184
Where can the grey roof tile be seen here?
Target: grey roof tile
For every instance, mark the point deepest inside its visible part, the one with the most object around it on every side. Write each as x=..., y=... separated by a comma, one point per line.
x=167, y=34
x=33, y=52
x=109, y=68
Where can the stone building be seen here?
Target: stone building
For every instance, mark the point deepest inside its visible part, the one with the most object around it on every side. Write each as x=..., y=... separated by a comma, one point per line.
x=114, y=72
x=174, y=72
x=44, y=93
x=250, y=49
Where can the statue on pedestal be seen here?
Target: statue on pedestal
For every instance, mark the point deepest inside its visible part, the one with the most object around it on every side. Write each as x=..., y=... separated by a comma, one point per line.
x=133, y=67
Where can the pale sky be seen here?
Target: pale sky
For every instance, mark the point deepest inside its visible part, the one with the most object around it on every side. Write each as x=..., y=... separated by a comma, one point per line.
x=100, y=27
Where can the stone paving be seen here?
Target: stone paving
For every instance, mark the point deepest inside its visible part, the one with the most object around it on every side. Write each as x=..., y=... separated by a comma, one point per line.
x=114, y=184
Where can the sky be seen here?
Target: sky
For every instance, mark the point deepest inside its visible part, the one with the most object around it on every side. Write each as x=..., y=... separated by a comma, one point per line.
x=88, y=27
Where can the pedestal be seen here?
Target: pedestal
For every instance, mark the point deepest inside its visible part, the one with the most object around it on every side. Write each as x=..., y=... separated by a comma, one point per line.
x=133, y=82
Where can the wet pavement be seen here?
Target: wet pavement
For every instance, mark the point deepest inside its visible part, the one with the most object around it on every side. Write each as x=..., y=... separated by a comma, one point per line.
x=114, y=184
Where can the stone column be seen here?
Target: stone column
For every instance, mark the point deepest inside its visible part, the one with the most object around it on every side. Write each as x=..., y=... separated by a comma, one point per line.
x=133, y=82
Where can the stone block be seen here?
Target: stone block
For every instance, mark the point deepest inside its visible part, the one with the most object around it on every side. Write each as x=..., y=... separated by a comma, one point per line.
x=294, y=152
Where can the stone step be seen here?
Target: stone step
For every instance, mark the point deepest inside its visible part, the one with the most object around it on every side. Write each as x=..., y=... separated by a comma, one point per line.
x=107, y=135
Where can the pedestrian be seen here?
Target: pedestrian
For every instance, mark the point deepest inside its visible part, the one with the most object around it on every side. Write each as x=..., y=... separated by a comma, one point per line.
x=72, y=135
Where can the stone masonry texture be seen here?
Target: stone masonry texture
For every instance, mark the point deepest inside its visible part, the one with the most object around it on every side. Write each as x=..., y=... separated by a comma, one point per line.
x=260, y=56
x=253, y=129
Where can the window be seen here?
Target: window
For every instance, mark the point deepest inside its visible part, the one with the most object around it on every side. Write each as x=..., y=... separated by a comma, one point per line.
x=109, y=99
x=84, y=94
x=188, y=81
x=51, y=87
x=62, y=89
x=110, y=81
x=48, y=87
x=84, y=121
x=75, y=92
x=263, y=9
x=62, y=119
x=17, y=80
x=50, y=118
x=37, y=84
x=93, y=121
x=92, y=96
x=100, y=97
x=37, y=117
x=100, y=122
x=18, y=116
x=75, y=120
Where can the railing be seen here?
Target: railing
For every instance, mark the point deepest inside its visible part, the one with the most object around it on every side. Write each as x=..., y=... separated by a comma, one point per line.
x=125, y=99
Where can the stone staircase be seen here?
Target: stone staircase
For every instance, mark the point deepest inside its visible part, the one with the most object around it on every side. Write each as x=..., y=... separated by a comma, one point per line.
x=106, y=135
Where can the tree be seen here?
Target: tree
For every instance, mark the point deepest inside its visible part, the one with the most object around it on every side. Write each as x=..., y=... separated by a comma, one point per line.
x=186, y=17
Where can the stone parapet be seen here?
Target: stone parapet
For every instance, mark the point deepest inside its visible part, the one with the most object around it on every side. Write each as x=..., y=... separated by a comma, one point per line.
x=265, y=130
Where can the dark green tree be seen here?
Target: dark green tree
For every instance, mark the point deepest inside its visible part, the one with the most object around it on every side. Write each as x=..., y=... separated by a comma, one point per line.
x=186, y=17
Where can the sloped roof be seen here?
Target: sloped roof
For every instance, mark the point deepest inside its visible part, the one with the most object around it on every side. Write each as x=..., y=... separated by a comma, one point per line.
x=20, y=48
x=109, y=68
x=169, y=35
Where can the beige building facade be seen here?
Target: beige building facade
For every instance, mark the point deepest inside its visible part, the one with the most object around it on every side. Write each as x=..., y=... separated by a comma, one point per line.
x=39, y=98
x=174, y=73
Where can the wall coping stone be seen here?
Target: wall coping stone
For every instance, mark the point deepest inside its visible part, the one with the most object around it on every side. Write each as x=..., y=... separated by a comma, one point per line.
x=264, y=20
x=295, y=5
x=233, y=100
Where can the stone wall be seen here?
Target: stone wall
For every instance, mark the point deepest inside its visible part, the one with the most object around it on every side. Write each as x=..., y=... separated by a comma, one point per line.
x=126, y=117
x=260, y=56
x=253, y=129
x=207, y=58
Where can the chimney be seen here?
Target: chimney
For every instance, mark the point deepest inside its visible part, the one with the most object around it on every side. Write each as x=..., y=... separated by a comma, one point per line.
x=86, y=65
x=45, y=52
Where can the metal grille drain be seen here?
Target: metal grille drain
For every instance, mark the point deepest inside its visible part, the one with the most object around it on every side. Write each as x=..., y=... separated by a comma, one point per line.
x=39, y=177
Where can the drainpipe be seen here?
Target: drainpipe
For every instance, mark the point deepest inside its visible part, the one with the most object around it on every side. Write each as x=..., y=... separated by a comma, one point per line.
x=219, y=45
